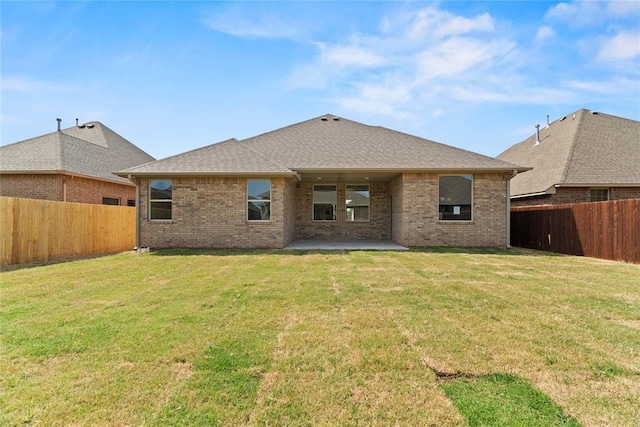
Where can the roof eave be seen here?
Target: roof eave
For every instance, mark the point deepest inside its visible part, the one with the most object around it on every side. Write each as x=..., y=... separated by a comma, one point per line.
x=62, y=172
x=432, y=170
x=126, y=174
x=599, y=184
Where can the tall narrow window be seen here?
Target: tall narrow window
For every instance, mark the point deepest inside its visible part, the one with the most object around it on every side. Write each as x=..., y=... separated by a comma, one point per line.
x=160, y=198
x=456, y=198
x=598, y=194
x=324, y=202
x=258, y=200
x=357, y=202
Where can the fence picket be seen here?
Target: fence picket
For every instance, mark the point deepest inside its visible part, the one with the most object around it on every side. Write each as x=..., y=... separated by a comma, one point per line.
x=608, y=230
x=41, y=230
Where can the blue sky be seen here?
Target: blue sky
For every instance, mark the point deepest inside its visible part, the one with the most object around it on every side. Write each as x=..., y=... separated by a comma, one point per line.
x=173, y=76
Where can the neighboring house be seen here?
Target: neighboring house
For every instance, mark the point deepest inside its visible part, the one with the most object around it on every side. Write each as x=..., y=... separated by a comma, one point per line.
x=73, y=165
x=327, y=178
x=585, y=156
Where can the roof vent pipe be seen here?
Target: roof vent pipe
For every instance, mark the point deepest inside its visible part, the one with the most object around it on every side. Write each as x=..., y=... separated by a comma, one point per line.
x=76, y=122
x=59, y=121
x=548, y=121
x=537, y=134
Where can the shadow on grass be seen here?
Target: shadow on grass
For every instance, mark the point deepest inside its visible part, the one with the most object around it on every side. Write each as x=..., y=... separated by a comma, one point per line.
x=503, y=400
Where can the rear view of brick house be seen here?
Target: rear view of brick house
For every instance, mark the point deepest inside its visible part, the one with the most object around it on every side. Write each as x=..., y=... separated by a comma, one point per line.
x=327, y=178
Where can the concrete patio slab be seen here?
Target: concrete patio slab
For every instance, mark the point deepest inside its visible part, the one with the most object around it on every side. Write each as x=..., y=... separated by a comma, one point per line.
x=345, y=245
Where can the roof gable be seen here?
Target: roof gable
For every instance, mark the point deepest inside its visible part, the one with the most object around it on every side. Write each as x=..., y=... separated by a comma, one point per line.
x=93, y=150
x=583, y=148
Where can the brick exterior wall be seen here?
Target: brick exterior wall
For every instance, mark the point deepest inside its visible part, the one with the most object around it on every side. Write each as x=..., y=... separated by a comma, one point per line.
x=211, y=212
x=415, y=212
x=377, y=228
x=576, y=195
x=55, y=186
x=44, y=187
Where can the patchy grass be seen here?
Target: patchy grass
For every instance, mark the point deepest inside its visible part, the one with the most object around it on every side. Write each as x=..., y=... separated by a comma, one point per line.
x=504, y=400
x=281, y=338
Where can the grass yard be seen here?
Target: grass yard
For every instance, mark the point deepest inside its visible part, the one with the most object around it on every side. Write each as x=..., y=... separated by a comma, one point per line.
x=435, y=337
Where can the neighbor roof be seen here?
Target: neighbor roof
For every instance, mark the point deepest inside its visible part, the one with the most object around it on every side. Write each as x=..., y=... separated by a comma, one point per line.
x=324, y=143
x=91, y=150
x=586, y=148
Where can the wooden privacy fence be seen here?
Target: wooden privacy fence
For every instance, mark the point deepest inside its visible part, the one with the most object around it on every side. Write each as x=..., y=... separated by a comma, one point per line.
x=42, y=230
x=608, y=230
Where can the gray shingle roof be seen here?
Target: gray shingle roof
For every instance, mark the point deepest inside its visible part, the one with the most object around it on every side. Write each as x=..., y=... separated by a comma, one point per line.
x=324, y=143
x=93, y=151
x=229, y=157
x=582, y=149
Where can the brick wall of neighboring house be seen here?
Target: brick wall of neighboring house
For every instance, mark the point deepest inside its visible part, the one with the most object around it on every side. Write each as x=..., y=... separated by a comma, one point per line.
x=566, y=195
x=45, y=187
x=211, y=212
x=84, y=190
x=377, y=228
x=64, y=188
x=416, y=223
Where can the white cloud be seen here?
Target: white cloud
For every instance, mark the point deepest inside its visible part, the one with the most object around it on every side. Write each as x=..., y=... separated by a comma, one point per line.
x=345, y=56
x=431, y=22
x=545, y=32
x=593, y=12
x=627, y=8
x=578, y=13
x=622, y=46
x=26, y=84
x=454, y=57
x=267, y=26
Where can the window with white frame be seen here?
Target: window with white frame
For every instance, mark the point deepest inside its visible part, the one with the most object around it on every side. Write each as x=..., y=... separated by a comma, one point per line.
x=357, y=202
x=325, y=199
x=598, y=194
x=160, y=199
x=258, y=200
x=455, y=197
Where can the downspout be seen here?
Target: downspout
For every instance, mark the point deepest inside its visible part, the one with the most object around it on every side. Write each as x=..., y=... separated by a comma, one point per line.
x=137, y=211
x=513, y=174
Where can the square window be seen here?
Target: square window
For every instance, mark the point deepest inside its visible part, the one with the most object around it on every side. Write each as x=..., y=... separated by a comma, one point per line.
x=455, y=198
x=598, y=194
x=258, y=200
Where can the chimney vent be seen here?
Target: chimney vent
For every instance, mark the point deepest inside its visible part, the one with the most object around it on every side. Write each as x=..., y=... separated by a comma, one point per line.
x=59, y=121
x=548, y=121
x=537, y=134
x=76, y=122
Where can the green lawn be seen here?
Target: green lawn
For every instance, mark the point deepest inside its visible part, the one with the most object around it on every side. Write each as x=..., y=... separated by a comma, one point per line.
x=435, y=337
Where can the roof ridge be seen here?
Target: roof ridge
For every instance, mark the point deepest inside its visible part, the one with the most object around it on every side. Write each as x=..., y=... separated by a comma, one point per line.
x=574, y=142
x=59, y=151
x=294, y=124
